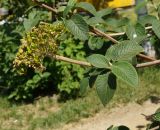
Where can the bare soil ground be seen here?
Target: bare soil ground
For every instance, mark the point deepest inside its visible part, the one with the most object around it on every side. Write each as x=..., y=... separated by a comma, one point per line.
x=129, y=115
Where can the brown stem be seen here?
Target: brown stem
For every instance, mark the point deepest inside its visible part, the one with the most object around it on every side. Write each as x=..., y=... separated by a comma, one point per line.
x=53, y=17
x=146, y=57
x=46, y=6
x=147, y=64
x=69, y=60
x=116, y=34
x=87, y=64
x=100, y=33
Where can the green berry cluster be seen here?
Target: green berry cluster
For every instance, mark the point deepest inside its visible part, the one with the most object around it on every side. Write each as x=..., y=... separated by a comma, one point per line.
x=40, y=42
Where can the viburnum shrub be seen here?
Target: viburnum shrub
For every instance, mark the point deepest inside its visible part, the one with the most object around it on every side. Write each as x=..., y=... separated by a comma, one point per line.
x=105, y=64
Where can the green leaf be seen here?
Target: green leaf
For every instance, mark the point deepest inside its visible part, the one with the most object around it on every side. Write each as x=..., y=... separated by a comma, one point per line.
x=67, y=10
x=95, y=43
x=69, y=7
x=71, y=2
x=126, y=72
x=34, y=17
x=103, y=12
x=121, y=128
x=133, y=61
x=130, y=31
x=106, y=87
x=139, y=29
x=61, y=9
x=118, y=128
x=158, y=9
x=135, y=31
x=98, y=61
x=83, y=85
x=140, y=39
x=113, y=22
x=140, y=4
x=110, y=53
x=95, y=20
x=123, y=51
x=28, y=24
x=78, y=27
x=36, y=78
x=87, y=7
x=94, y=71
x=148, y=19
x=153, y=125
x=153, y=21
x=156, y=27
x=156, y=117
x=45, y=74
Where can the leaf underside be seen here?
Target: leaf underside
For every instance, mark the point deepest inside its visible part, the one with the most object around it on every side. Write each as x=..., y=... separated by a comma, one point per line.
x=106, y=87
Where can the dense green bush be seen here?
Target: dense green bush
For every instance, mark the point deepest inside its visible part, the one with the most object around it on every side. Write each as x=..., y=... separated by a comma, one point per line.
x=70, y=74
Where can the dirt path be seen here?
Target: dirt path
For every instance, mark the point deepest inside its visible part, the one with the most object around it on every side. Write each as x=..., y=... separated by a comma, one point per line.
x=129, y=115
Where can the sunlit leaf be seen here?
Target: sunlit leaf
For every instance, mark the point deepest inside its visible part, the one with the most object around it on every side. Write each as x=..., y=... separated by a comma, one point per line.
x=98, y=61
x=78, y=27
x=126, y=72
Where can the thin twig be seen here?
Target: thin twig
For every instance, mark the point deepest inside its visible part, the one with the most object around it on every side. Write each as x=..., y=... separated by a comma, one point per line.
x=123, y=33
x=46, y=6
x=116, y=34
x=69, y=60
x=100, y=33
x=147, y=64
x=146, y=57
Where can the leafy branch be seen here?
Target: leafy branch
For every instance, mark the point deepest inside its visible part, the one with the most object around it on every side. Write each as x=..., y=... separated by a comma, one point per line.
x=87, y=64
x=119, y=62
x=98, y=32
x=108, y=36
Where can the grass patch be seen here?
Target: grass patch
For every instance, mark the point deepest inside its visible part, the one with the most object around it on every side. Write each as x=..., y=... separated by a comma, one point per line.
x=47, y=114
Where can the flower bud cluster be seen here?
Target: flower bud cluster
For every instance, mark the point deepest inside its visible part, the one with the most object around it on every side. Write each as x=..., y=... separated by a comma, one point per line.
x=40, y=42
